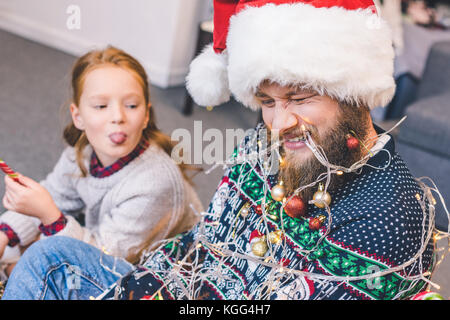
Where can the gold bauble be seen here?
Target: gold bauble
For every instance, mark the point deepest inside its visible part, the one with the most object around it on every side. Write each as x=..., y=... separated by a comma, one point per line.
x=278, y=192
x=245, y=210
x=259, y=248
x=321, y=198
x=275, y=237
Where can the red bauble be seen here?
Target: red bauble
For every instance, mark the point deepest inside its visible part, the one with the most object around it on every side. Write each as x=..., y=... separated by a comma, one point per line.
x=316, y=223
x=352, y=142
x=258, y=209
x=295, y=207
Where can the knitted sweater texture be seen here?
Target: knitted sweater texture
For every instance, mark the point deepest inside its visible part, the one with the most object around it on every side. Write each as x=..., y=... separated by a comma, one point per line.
x=377, y=224
x=146, y=199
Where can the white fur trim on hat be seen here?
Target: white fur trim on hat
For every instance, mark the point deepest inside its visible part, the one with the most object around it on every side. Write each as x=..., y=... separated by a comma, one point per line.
x=346, y=54
x=207, y=81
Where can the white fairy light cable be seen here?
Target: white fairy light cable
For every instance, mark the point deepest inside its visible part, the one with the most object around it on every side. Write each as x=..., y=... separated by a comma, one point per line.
x=186, y=275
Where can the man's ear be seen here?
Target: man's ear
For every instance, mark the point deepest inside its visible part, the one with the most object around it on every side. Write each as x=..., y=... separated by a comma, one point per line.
x=76, y=117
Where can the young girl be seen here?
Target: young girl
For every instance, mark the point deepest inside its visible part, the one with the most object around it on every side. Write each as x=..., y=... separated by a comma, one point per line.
x=117, y=169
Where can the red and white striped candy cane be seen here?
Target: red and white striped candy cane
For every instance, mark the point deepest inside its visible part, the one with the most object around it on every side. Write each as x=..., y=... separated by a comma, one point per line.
x=6, y=169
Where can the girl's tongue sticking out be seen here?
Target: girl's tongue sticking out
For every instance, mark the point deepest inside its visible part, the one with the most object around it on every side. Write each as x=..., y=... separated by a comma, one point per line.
x=118, y=137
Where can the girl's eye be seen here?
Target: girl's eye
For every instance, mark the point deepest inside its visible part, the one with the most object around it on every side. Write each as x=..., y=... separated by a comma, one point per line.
x=100, y=106
x=132, y=106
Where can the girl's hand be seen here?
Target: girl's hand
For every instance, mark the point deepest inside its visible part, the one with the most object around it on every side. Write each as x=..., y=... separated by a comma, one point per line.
x=3, y=242
x=30, y=198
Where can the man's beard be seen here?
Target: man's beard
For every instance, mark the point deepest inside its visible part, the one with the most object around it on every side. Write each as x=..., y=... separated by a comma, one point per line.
x=334, y=144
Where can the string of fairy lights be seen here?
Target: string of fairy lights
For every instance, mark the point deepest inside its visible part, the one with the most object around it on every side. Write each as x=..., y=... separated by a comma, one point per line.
x=185, y=273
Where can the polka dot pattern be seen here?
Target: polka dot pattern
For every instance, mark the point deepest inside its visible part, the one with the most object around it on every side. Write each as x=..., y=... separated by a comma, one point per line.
x=378, y=214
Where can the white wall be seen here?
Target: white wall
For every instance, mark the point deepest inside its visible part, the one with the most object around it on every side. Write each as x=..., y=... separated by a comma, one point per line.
x=162, y=34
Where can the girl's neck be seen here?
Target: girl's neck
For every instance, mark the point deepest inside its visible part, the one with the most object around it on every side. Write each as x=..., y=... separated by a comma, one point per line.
x=105, y=162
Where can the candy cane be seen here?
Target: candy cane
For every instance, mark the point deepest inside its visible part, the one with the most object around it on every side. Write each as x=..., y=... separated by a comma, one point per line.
x=6, y=169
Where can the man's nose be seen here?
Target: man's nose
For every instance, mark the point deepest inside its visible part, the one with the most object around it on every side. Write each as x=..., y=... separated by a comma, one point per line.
x=283, y=119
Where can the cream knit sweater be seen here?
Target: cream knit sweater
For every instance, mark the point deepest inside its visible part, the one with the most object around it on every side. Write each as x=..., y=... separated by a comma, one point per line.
x=146, y=199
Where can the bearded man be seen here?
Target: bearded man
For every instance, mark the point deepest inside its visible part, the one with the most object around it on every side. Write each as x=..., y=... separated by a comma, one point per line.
x=342, y=219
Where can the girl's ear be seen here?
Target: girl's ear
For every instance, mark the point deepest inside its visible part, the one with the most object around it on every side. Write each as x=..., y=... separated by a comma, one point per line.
x=147, y=116
x=76, y=117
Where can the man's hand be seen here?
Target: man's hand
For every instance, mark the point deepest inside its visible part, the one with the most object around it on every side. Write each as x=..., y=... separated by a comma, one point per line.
x=30, y=198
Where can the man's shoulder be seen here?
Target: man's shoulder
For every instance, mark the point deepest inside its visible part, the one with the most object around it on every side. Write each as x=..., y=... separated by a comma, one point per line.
x=393, y=183
x=379, y=212
x=387, y=197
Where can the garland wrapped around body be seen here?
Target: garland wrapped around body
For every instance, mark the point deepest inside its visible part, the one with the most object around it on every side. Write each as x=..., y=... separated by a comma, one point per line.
x=375, y=242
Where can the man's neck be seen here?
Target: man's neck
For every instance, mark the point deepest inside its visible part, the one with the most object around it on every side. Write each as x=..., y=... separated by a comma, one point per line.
x=371, y=137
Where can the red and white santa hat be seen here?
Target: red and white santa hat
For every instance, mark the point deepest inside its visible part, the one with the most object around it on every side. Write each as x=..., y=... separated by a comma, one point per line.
x=340, y=48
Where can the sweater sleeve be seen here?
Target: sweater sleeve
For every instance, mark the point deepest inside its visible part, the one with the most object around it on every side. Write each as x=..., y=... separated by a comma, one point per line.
x=59, y=183
x=146, y=207
x=145, y=281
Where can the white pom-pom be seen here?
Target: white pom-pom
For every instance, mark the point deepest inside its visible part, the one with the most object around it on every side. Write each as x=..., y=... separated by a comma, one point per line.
x=207, y=81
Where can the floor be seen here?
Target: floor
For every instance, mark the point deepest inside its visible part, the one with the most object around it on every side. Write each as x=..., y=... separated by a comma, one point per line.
x=34, y=89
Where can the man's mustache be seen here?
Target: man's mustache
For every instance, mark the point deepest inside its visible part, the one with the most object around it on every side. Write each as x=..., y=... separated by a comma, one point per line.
x=290, y=133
